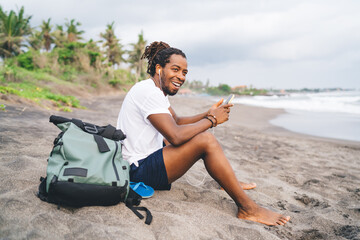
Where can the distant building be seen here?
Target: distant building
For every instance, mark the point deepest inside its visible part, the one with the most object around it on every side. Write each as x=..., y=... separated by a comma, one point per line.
x=185, y=91
x=240, y=88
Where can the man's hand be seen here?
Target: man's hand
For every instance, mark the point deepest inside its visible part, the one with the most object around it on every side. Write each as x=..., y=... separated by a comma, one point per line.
x=216, y=105
x=221, y=112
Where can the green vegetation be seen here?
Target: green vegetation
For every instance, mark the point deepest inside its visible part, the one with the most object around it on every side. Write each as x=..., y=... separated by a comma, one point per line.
x=42, y=63
x=30, y=91
x=222, y=89
x=3, y=107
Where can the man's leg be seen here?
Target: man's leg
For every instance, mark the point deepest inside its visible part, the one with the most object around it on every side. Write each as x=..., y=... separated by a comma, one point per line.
x=245, y=186
x=204, y=145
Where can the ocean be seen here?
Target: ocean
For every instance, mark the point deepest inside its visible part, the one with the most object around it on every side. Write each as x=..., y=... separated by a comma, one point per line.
x=326, y=114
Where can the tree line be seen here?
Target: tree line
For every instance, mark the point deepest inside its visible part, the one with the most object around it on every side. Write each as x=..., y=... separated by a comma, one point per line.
x=62, y=50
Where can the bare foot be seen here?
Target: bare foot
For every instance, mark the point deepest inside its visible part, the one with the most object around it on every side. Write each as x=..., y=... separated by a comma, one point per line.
x=264, y=216
x=245, y=186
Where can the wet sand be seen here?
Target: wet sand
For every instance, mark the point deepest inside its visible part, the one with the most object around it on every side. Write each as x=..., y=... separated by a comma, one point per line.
x=314, y=180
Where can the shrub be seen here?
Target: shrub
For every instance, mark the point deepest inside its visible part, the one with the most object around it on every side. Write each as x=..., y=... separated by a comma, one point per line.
x=119, y=77
x=25, y=60
x=66, y=56
x=9, y=73
x=224, y=88
x=93, y=57
x=215, y=91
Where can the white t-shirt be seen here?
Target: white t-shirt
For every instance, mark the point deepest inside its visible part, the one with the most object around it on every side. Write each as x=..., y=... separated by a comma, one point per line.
x=142, y=139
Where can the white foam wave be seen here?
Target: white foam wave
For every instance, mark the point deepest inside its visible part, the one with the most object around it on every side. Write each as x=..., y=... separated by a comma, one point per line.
x=340, y=102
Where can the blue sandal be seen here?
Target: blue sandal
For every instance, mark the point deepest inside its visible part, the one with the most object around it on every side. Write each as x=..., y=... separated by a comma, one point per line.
x=143, y=190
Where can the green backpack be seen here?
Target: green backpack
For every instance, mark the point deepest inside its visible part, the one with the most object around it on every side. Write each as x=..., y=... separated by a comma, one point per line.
x=86, y=168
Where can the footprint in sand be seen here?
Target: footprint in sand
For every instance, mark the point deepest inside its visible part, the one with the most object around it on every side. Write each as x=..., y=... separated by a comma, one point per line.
x=312, y=202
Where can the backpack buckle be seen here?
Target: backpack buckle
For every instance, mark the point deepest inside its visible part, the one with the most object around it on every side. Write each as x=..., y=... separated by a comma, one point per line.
x=91, y=129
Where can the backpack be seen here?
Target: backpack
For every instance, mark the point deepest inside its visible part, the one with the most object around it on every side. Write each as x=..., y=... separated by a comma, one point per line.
x=86, y=168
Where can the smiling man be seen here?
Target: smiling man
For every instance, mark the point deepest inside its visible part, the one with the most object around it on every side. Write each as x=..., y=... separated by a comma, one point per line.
x=148, y=120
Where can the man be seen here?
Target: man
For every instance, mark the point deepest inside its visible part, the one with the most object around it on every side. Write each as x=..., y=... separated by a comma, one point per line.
x=147, y=118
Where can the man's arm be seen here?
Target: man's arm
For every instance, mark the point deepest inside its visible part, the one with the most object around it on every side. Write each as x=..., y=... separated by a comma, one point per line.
x=174, y=133
x=178, y=134
x=187, y=120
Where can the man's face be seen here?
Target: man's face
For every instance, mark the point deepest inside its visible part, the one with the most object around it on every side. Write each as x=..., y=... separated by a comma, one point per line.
x=173, y=74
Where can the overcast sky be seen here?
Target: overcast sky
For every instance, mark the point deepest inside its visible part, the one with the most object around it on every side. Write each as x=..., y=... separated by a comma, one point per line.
x=277, y=43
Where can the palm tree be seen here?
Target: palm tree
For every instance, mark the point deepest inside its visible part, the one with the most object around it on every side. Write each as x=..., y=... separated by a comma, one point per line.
x=13, y=29
x=114, y=50
x=46, y=33
x=35, y=39
x=135, y=57
x=72, y=31
x=59, y=36
x=94, y=53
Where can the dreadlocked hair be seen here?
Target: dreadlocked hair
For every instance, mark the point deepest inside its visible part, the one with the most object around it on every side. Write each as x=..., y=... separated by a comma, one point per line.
x=159, y=53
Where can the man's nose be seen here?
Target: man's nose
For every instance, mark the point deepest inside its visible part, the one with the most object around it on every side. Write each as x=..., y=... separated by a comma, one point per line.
x=181, y=76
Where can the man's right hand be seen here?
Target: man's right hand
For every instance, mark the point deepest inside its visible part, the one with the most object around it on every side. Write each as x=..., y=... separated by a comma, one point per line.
x=216, y=105
x=221, y=112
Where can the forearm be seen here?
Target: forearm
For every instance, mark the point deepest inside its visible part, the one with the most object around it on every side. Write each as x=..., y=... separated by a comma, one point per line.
x=185, y=132
x=178, y=134
x=190, y=119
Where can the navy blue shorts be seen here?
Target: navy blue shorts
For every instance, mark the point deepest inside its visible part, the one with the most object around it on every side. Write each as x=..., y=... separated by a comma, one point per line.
x=151, y=171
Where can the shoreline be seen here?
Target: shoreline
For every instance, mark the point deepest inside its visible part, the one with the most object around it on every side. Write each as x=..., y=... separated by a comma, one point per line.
x=336, y=126
x=314, y=180
x=259, y=119
x=333, y=115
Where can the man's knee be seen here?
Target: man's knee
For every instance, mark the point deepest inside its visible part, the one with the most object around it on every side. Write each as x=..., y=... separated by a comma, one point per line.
x=206, y=140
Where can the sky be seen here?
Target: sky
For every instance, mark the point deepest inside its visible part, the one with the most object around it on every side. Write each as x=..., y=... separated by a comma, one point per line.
x=266, y=44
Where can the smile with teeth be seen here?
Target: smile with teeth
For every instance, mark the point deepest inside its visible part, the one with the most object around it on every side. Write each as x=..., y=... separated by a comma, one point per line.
x=176, y=84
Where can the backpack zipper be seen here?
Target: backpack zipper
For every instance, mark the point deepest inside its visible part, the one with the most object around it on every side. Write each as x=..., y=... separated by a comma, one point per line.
x=113, y=162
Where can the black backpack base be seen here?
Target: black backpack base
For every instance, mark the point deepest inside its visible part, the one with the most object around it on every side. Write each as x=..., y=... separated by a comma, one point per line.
x=75, y=195
x=80, y=194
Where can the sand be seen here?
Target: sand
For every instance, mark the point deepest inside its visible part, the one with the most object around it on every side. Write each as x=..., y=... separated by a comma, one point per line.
x=316, y=181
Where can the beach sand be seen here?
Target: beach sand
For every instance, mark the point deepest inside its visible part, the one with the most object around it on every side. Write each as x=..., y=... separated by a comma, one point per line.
x=314, y=180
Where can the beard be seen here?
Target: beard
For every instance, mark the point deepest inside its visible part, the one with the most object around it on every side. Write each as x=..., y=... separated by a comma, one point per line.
x=166, y=89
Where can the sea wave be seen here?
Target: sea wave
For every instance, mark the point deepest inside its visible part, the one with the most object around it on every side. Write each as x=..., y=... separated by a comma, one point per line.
x=339, y=102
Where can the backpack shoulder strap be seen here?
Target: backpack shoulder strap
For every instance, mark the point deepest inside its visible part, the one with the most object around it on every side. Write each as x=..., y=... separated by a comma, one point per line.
x=42, y=194
x=135, y=199
x=109, y=132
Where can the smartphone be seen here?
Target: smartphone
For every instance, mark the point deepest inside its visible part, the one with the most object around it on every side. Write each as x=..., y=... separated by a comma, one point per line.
x=229, y=99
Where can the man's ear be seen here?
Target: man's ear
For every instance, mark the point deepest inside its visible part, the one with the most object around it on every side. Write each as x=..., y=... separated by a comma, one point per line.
x=158, y=68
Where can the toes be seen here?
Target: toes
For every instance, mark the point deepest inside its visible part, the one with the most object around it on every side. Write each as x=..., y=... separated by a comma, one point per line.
x=280, y=223
x=284, y=220
x=252, y=185
x=248, y=186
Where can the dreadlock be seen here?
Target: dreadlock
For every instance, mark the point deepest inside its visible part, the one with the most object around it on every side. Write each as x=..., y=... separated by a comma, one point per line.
x=159, y=53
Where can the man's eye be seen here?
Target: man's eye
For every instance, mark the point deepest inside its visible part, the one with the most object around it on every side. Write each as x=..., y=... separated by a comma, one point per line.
x=175, y=69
